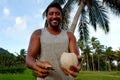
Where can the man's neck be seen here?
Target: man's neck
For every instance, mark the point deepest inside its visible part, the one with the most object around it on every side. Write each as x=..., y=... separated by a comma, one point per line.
x=54, y=31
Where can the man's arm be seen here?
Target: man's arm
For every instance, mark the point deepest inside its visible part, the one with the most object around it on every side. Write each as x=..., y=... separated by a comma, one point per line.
x=41, y=69
x=72, y=43
x=74, y=70
x=33, y=49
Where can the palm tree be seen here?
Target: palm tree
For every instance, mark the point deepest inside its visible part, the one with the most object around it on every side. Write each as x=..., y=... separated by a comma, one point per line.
x=110, y=54
x=98, y=48
x=114, y=5
x=96, y=12
x=118, y=57
x=86, y=52
x=89, y=12
x=93, y=40
x=21, y=57
x=81, y=46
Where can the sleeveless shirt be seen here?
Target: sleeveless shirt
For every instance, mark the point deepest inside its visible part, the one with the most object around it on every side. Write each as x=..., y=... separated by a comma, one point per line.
x=52, y=46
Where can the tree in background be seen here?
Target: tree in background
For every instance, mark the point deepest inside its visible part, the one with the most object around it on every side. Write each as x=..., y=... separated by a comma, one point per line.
x=6, y=58
x=92, y=12
x=21, y=56
x=118, y=58
x=9, y=63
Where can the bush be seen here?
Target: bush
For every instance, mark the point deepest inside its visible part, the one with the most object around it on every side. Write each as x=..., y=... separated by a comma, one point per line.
x=12, y=70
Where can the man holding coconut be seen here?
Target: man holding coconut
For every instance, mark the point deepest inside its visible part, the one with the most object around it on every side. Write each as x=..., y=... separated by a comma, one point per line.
x=48, y=44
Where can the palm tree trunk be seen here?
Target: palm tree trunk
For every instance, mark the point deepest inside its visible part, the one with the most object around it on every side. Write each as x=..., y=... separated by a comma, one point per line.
x=98, y=62
x=109, y=65
x=76, y=17
x=88, y=68
x=117, y=66
x=93, y=62
x=106, y=64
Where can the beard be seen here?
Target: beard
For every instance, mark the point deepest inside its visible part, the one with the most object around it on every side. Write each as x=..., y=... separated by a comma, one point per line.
x=55, y=22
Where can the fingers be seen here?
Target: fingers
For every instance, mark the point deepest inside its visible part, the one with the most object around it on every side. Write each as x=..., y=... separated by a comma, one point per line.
x=74, y=74
x=44, y=65
x=42, y=69
x=65, y=71
x=75, y=68
x=73, y=71
x=40, y=74
x=79, y=60
x=70, y=72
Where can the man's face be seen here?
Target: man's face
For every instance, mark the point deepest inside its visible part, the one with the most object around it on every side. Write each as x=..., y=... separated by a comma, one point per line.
x=54, y=17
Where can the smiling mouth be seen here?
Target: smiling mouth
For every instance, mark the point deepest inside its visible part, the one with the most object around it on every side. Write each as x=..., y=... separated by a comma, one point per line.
x=54, y=21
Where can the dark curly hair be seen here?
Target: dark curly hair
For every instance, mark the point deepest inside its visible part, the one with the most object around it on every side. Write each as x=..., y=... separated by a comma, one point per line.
x=54, y=4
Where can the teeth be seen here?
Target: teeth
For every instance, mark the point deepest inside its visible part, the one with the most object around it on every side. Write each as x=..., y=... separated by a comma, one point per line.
x=54, y=20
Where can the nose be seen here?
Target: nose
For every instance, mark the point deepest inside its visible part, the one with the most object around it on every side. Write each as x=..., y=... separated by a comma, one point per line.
x=54, y=15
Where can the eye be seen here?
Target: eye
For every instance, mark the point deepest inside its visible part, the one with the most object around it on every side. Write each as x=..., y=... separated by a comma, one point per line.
x=57, y=13
x=51, y=13
x=54, y=13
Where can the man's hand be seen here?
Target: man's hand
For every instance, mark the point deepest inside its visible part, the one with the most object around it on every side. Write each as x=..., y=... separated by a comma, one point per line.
x=74, y=70
x=42, y=69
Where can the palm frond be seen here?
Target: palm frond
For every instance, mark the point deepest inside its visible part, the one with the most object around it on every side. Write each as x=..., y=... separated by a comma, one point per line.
x=89, y=3
x=98, y=16
x=92, y=17
x=114, y=5
x=44, y=14
x=83, y=28
x=66, y=16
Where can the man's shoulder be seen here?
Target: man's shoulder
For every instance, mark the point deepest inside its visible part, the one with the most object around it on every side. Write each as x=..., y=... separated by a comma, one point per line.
x=69, y=32
x=37, y=32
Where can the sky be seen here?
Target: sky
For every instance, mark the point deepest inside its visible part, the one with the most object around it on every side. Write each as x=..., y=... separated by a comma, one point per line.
x=19, y=18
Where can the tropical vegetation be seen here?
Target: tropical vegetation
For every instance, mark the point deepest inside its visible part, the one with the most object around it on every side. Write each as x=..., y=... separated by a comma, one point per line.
x=95, y=56
x=89, y=12
x=98, y=57
x=10, y=63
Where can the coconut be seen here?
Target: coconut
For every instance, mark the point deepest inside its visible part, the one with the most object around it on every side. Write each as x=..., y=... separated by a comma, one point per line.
x=68, y=59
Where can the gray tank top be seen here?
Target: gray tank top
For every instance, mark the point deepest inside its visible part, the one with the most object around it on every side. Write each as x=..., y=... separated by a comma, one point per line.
x=52, y=46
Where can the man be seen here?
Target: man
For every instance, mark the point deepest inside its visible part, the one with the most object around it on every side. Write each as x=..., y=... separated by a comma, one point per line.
x=48, y=44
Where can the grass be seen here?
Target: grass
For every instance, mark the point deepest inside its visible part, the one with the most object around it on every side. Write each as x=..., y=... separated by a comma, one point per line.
x=27, y=75
x=83, y=75
x=98, y=75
